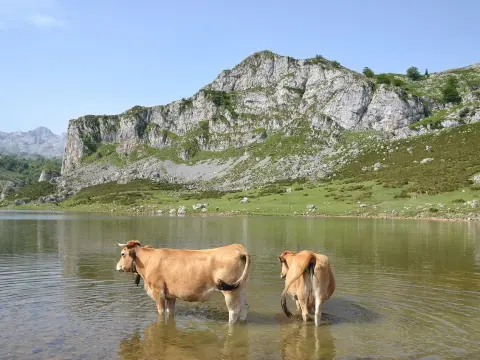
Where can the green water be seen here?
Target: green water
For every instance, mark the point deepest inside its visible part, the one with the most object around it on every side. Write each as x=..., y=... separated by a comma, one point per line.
x=405, y=289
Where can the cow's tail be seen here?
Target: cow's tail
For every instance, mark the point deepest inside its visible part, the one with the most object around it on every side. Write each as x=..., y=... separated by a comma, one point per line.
x=331, y=284
x=298, y=268
x=223, y=286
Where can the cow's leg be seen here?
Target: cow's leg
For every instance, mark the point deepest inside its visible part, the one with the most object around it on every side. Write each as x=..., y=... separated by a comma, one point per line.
x=320, y=282
x=303, y=303
x=319, y=300
x=232, y=299
x=161, y=304
x=311, y=304
x=171, y=307
x=243, y=304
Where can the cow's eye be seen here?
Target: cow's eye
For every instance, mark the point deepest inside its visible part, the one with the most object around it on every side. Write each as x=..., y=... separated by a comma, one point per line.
x=123, y=254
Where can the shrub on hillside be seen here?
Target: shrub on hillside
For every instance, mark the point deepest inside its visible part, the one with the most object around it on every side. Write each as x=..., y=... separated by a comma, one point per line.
x=397, y=82
x=34, y=191
x=450, y=92
x=413, y=73
x=384, y=79
x=368, y=72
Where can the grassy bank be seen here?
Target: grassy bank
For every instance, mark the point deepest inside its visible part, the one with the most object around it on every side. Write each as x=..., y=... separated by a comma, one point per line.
x=334, y=198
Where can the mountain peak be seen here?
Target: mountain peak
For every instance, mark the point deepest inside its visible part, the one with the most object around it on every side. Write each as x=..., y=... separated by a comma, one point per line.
x=39, y=141
x=42, y=130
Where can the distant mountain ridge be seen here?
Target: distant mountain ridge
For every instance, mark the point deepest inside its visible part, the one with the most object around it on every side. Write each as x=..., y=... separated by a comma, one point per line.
x=40, y=141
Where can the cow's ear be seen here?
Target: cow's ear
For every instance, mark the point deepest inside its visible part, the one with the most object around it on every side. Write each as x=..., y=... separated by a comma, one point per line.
x=132, y=254
x=280, y=259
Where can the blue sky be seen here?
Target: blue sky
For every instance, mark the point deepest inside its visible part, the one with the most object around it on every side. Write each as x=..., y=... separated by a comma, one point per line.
x=61, y=59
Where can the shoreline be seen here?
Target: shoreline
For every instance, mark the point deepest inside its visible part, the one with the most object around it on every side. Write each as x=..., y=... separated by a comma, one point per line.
x=360, y=216
x=460, y=218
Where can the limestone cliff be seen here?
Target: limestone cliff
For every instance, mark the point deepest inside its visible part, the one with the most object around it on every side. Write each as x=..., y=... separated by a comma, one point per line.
x=265, y=95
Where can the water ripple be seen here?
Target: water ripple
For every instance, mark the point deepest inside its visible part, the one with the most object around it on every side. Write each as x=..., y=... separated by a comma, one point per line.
x=62, y=298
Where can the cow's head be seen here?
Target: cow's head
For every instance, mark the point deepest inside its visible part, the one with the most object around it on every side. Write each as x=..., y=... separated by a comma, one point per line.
x=285, y=259
x=128, y=256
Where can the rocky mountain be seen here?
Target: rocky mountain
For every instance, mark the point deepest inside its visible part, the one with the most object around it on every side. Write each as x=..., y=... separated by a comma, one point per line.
x=40, y=141
x=271, y=117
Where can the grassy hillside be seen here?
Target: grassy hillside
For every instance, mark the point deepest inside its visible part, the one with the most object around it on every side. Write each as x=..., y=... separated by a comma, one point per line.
x=455, y=160
x=26, y=169
x=402, y=185
x=466, y=80
x=24, y=172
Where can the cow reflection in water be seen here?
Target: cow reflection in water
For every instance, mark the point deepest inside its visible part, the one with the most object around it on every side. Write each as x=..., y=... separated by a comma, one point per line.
x=302, y=342
x=164, y=340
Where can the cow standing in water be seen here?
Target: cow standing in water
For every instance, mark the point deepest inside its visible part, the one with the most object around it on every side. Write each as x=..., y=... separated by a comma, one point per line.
x=190, y=275
x=308, y=279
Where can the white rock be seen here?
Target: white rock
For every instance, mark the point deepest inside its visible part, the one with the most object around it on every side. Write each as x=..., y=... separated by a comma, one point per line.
x=377, y=166
x=181, y=210
x=426, y=160
x=476, y=179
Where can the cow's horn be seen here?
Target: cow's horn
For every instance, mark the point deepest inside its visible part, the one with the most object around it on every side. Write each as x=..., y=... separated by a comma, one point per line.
x=121, y=245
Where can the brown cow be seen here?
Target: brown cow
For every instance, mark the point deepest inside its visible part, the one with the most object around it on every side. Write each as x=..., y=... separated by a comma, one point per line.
x=190, y=275
x=308, y=279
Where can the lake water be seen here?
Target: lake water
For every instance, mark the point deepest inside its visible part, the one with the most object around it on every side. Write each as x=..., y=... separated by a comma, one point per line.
x=405, y=289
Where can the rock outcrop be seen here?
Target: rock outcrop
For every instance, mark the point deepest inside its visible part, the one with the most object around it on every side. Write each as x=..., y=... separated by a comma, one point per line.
x=47, y=175
x=7, y=188
x=265, y=95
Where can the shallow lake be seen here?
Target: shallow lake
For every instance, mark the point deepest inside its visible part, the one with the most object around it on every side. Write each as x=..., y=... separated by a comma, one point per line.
x=405, y=289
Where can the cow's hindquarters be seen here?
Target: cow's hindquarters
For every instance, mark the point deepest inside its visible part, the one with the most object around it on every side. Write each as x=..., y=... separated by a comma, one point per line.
x=304, y=294
x=320, y=282
x=236, y=295
x=236, y=302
